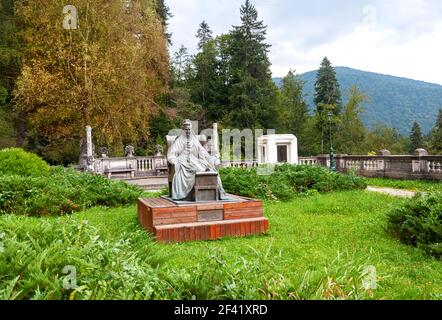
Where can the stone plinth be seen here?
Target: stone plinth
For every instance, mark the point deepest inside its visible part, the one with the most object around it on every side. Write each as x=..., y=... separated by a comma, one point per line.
x=169, y=221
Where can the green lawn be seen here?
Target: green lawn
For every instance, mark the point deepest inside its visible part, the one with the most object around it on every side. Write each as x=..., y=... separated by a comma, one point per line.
x=413, y=185
x=317, y=248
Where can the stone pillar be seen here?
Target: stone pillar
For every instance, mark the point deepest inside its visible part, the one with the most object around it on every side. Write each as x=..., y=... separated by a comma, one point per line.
x=384, y=152
x=420, y=165
x=421, y=153
x=215, y=142
x=89, y=141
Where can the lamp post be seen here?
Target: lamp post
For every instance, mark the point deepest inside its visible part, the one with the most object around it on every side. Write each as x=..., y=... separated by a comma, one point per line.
x=332, y=156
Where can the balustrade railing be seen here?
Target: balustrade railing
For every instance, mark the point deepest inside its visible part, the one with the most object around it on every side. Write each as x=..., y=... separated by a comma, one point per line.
x=401, y=167
x=240, y=164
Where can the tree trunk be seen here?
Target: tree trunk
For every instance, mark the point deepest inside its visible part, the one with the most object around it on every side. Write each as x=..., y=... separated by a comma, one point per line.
x=21, y=129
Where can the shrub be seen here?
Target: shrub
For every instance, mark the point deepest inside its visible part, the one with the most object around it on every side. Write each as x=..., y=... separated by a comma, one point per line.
x=419, y=223
x=287, y=181
x=16, y=161
x=62, y=191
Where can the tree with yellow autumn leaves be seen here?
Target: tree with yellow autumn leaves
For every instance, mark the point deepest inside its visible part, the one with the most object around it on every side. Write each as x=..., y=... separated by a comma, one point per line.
x=105, y=70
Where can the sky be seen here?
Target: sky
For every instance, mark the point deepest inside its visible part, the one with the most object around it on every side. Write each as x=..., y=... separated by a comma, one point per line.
x=396, y=37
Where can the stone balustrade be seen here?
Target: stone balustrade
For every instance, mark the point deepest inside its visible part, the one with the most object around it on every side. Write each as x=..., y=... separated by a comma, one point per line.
x=240, y=164
x=385, y=166
x=311, y=161
x=131, y=167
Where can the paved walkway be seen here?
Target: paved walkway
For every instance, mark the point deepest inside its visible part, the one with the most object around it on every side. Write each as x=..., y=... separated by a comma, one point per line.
x=393, y=192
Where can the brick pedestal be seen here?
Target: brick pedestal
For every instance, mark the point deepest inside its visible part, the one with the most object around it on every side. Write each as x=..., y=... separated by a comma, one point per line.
x=171, y=222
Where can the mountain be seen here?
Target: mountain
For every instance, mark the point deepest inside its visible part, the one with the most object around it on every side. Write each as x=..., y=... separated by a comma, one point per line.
x=394, y=101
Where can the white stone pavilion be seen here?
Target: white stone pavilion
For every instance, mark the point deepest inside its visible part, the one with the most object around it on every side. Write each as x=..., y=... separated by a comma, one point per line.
x=278, y=148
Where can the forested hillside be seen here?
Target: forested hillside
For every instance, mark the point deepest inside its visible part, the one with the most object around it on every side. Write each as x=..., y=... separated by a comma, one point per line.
x=394, y=101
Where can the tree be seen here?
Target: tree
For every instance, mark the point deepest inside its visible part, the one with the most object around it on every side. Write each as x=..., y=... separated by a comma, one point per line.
x=204, y=35
x=205, y=83
x=251, y=89
x=164, y=13
x=350, y=130
x=384, y=137
x=181, y=64
x=327, y=90
x=10, y=66
x=436, y=135
x=327, y=96
x=107, y=74
x=294, y=109
x=416, y=138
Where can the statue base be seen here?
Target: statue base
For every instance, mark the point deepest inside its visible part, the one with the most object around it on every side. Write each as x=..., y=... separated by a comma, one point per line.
x=171, y=221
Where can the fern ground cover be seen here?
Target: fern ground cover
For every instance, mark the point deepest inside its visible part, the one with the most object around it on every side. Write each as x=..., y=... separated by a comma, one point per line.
x=322, y=246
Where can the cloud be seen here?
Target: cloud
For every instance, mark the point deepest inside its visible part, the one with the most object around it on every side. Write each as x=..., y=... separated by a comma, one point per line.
x=397, y=37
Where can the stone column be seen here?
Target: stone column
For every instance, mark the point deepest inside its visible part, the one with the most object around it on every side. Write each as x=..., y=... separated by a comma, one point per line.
x=215, y=141
x=89, y=141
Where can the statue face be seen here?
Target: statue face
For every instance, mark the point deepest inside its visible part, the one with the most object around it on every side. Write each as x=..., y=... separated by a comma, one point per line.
x=188, y=131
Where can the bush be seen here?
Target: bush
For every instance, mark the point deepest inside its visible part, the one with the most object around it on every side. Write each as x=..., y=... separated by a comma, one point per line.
x=62, y=191
x=419, y=223
x=16, y=161
x=287, y=181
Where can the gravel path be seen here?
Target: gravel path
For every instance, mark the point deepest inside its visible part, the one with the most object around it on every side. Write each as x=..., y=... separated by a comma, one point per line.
x=393, y=192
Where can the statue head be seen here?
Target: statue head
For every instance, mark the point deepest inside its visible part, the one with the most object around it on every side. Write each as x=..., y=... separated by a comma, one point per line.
x=187, y=128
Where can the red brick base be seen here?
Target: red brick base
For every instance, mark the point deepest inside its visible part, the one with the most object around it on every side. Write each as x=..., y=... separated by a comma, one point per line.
x=170, y=222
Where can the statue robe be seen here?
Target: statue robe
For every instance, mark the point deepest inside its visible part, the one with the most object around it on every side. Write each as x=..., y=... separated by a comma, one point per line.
x=189, y=157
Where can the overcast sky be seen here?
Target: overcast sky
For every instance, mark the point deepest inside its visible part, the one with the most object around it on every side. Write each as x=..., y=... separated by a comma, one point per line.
x=396, y=37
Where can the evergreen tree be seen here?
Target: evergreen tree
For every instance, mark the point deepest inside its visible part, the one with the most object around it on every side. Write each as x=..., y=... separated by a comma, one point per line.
x=205, y=83
x=327, y=91
x=164, y=13
x=252, y=92
x=294, y=109
x=181, y=64
x=204, y=35
x=327, y=97
x=436, y=135
x=416, y=138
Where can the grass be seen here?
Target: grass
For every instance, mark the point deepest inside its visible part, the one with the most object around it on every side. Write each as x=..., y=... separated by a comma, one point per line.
x=412, y=185
x=318, y=248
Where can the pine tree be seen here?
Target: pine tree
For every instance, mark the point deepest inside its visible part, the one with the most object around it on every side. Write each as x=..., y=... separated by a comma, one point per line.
x=204, y=35
x=327, y=90
x=327, y=97
x=164, y=13
x=416, y=138
x=180, y=64
x=252, y=92
x=436, y=135
x=205, y=83
x=294, y=109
